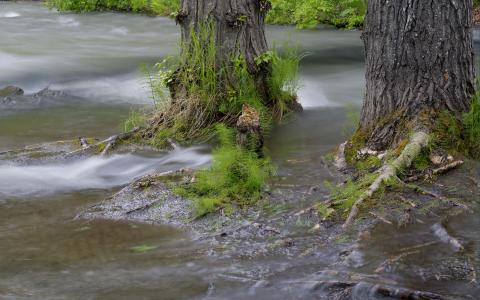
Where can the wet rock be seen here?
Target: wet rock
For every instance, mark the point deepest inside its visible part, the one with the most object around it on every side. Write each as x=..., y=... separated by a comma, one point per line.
x=11, y=91
x=48, y=93
x=13, y=99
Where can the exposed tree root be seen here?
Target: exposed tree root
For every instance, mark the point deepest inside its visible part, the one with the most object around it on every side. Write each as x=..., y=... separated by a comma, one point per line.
x=442, y=198
x=438, y=171
x=390, y=170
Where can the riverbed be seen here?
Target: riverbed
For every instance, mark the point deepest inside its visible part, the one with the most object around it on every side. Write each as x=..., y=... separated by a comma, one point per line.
x=95, y=59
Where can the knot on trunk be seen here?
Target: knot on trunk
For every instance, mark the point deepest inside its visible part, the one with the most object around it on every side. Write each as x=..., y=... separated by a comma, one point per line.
x=265, y=6
x=235, y=19
x=249, y=131
x=181, y=16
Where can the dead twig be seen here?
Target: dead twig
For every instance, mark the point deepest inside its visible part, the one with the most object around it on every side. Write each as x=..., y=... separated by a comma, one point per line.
x=393, y=260
x=381, y=218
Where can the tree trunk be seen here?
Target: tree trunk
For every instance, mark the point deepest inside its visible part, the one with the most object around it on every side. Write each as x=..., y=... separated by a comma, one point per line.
x=239, y=31
x=419, y=61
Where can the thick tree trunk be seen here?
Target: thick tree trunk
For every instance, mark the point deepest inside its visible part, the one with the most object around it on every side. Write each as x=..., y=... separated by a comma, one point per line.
x=239, y=31
x=419, y=60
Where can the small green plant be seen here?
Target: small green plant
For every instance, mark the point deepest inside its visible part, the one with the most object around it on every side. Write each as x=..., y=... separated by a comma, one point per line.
x=471, y=123
x=346, y=195
x=207, y=93
x=325, y=211
x=236, y=176
x=143, y=248
x=136, y=119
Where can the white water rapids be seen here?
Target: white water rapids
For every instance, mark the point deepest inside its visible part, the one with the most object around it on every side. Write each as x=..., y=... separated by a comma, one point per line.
x=92, y=173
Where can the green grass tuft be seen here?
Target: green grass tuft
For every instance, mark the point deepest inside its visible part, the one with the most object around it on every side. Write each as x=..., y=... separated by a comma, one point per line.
x=236, y=176
x=346, y=195
x=471, y=123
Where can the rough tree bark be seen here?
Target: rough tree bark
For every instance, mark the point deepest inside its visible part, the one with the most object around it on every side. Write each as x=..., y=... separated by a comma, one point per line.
x=419, y=60
x=239, y=31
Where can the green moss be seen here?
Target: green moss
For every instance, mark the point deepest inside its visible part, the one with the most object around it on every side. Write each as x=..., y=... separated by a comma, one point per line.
x=368, y=164
x=357, y=142
x=422, y=161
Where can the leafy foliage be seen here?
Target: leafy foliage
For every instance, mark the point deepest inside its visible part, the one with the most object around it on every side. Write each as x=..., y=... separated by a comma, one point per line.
x=155, y=7
x=309, y=13
x=303, y=13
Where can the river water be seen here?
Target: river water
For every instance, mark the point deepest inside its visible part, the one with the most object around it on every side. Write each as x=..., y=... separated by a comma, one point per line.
x=45, y=254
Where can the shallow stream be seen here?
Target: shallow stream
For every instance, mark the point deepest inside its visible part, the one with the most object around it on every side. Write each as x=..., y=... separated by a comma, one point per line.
x=46, y=254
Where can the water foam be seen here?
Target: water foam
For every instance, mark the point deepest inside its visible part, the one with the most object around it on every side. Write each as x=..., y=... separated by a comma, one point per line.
x=10, y=14
x=92, y=173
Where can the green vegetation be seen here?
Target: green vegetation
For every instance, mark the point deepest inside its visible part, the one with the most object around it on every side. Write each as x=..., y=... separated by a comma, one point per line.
x=207, y=94
x=345, y=195
x=460, y=135
x=236, y=176
x=310, y=13
x=153, y=7
x=471, y=124
x=143, y=248
x=197, y=99
x=303, y=13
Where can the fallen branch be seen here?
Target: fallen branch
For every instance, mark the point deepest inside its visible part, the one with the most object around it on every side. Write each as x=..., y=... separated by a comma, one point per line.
x=447, y=167
x=389, y=171
x=387, y=263
x=108, y=143
x=440, y=197
x=411, y=203
x=441, y=170
x=381, y=218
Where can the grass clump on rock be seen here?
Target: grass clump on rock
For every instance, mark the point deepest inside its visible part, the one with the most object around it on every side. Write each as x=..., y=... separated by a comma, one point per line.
x=202, y=95
x=236, y=177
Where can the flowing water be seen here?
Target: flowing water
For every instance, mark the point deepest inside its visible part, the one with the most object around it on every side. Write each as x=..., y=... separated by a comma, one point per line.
x=46, y=254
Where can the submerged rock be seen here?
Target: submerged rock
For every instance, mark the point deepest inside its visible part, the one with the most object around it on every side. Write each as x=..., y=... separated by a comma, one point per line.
x=13, y=99
x=11, y=91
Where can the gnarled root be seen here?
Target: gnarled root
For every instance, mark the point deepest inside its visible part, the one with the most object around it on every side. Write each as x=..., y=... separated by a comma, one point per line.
x=390, y=170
